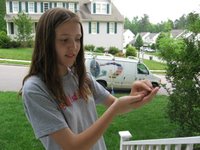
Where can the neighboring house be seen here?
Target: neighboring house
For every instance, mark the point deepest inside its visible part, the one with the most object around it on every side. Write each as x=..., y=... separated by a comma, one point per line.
x=102, y=22
x=178, y=33
x=148, y=38
x=128, y=37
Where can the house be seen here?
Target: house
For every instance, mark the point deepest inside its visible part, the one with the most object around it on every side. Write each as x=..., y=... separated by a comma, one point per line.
x=128, y=37
x=148, y=38
x=102, y=22
x=178, y=33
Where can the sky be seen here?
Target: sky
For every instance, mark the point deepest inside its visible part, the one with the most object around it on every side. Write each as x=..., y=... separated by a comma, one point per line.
x=157, y=10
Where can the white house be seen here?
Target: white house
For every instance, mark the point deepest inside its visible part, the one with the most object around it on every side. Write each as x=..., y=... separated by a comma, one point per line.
x=102, y=22
x=128, y=37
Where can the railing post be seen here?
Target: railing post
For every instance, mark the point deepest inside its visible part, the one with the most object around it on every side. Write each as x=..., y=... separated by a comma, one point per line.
x=124, y=136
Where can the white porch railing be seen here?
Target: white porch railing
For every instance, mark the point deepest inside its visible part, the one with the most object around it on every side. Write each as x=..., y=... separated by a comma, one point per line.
x=186, y=143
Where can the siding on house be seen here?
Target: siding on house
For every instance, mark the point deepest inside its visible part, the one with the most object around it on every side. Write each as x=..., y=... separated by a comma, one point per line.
x=109, y=22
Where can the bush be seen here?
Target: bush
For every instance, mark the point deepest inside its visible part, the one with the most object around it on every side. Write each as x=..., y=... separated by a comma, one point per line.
x=113, y=50
x=131, y=51
x=5, y=41
x=89, y=47
x=100, y=49
x=15, y=44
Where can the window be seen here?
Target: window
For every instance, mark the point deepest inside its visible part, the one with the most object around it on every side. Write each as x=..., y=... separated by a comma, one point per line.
x=141, y=68
x=46, y=6
x=31, y=7
x=15, y=7
x=94, y=27
x=60, y=5
x=112, y=27
x=104, y=8
x=100, y=8
x=71, y=7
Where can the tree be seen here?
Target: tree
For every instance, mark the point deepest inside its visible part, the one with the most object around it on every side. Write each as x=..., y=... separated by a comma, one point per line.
x=183, y=72
x=138, y=42
x=24, y=26
x=2, y=15
x=193, y=22
x=184, y=101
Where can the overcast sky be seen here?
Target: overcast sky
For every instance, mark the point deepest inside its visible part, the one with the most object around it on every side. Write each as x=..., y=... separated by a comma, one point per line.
x=157, y=10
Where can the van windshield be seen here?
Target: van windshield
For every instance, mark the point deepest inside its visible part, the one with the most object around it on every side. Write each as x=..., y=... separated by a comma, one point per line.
x=142, y=69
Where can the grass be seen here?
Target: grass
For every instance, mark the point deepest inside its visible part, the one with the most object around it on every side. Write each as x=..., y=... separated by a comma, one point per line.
x=154, y=65
x=18, y=53
x=26, y=53
x=147, y=122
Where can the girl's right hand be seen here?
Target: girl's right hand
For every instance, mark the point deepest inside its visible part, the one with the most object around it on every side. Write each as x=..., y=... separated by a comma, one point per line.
x=127, y=103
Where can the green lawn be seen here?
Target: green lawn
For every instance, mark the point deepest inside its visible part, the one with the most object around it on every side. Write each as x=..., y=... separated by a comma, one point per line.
x=26, y=53
x=19, y=53
x=147, y=122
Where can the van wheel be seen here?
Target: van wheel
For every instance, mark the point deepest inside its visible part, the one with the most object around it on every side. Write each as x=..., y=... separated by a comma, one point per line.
x=102, y=83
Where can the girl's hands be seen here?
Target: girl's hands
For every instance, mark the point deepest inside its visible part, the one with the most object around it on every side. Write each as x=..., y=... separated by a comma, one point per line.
x=141, y=93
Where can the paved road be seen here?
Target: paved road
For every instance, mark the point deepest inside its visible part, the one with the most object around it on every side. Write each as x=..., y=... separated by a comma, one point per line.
x=11, y=78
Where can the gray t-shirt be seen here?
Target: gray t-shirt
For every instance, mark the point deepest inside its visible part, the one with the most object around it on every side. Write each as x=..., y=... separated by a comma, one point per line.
x=45, y=117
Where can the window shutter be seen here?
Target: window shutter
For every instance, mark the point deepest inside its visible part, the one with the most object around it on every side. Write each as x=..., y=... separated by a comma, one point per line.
x=20, y=6
x=90, y=27
x=63, y=5
x=97, y=27
x=66, y=5
x=35, y=7
x=108, y=8
x=55, y=4
x=94, y=8
x=108, y=27
x=75, y=5
x=41, y=4
x=11, y=7
x=26, y=4
x=50, y=5
x=115, y=27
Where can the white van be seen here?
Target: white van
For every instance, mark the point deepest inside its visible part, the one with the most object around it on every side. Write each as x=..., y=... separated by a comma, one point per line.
x=118, y=73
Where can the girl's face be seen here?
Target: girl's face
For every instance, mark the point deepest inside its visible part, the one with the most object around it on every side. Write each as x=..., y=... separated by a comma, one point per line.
x=67, y=42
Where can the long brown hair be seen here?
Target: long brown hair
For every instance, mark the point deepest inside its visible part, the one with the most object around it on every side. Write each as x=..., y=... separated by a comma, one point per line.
x=44, y=59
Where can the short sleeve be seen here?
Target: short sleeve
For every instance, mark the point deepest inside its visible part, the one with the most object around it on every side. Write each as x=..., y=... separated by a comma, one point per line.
x=99, y=92
x=41, y=110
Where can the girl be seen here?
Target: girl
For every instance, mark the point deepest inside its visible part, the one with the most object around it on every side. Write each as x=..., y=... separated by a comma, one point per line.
x=60, y=97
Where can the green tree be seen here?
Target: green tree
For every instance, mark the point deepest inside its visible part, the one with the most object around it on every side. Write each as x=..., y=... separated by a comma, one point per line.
x=161, y=36
x=180, y=23
x=24, y=26
x=183, y=72
x=138, y=42
x=2, y=15
x=131, y=51
x=193, y=22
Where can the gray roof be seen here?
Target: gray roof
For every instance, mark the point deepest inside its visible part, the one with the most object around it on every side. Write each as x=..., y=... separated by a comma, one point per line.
x=83, y=12
x=177, y=33
x=87, y=16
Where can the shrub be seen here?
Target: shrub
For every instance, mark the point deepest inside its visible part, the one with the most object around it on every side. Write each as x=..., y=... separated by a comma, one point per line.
x=100, y=49
x=113, y=50
x=15, y=44
x=5, y=41
x=131, y=51
x=89, y=47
